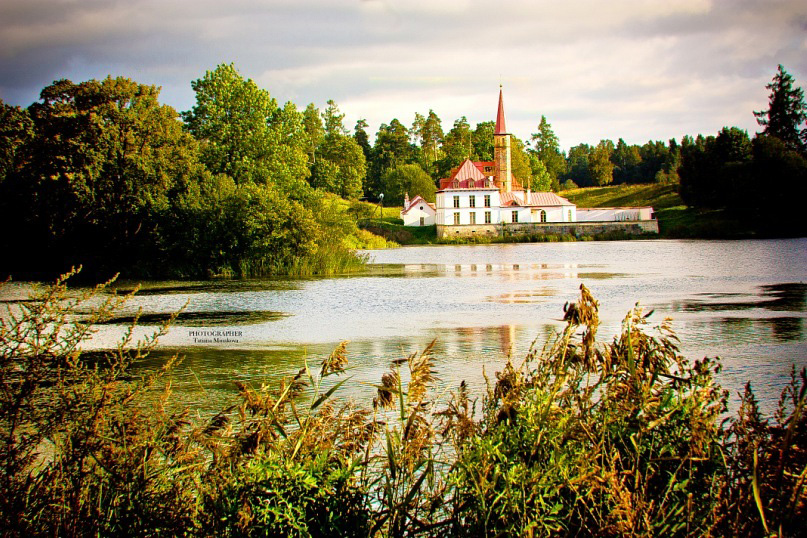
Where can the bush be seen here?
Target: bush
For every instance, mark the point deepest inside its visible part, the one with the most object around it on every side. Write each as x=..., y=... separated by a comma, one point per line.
x=582, y=438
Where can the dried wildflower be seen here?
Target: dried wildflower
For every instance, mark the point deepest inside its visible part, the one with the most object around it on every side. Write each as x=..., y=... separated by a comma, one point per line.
x=420, y=367
x=389, y=387
x=336, y=362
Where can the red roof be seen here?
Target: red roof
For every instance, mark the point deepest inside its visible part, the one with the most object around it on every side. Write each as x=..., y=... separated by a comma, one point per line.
x=468, y=175
x=539, y=199
x=473, y=171
x=417, y=200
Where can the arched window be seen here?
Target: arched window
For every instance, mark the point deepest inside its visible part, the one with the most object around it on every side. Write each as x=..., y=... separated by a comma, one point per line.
x=543, y=215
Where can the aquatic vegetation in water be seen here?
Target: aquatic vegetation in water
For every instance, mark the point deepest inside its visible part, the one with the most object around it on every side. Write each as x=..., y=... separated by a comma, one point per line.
x=581, y=437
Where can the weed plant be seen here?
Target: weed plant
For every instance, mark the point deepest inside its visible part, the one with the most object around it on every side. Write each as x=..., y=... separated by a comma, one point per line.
x=581, y=438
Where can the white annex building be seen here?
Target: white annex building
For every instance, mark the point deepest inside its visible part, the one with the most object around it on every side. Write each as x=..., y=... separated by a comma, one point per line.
x=483, y=198
x=418, y=212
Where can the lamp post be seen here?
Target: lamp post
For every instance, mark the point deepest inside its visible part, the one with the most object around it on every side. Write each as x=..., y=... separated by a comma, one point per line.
x=380, y=209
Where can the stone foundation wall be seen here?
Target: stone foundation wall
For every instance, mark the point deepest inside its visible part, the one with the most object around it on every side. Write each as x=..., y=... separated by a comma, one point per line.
x=639, y=227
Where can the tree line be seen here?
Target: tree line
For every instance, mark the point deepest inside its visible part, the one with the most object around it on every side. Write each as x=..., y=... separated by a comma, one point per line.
x=102, y=173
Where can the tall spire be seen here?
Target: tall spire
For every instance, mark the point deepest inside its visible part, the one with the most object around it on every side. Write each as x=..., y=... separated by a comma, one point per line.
x=501, y=149
x=500, y=127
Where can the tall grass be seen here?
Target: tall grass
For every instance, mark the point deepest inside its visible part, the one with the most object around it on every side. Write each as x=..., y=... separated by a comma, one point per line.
x=581, y=437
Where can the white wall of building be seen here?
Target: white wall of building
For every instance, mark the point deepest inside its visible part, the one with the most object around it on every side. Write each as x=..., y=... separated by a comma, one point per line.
x=614, y=214
x=446, y=206
x=421, y=210
x=446, y=209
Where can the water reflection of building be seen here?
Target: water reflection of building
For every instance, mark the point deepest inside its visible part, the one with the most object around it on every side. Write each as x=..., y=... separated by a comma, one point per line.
x=508, y=271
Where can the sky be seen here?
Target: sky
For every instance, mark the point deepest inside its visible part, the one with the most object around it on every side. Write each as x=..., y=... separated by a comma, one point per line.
x=597, y=69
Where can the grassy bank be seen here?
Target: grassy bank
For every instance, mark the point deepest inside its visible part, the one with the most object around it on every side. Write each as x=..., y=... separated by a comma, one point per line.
x=580, y=437
x=675, y=219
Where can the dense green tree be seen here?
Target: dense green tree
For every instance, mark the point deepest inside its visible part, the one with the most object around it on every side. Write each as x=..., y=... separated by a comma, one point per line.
x=226, y=228
x=428, y=132
x=408, y=179
x=545, y=146
x=105, y=160
x=578, y=169
x=669, y=168
x=391, y=149
x=340, y=166
x=16, y=131
x=520, y=161
x=314, y=131
x=600, y=167
x=457, y=147
x=716, y=171
x=236, y=125
x=483, y=141
x=654, y=154
x=783, y=172
x=333, y=120
x=541, y=180
x=786, y=112
x=626, y=159
x=697, y=171
x=361, y=138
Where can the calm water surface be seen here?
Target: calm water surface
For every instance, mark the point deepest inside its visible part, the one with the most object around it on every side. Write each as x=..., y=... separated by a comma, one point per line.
x=744, y=301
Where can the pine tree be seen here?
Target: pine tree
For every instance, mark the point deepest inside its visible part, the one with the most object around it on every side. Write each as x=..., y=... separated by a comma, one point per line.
x=786, y=112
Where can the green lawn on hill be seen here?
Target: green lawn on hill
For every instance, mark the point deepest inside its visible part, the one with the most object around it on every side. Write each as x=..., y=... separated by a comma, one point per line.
x=676, y=220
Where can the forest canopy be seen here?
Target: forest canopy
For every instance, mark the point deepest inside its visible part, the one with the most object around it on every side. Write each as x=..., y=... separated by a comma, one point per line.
x=100, y=173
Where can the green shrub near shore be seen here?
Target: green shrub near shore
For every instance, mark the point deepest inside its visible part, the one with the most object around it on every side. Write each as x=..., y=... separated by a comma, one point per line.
x=582, y=437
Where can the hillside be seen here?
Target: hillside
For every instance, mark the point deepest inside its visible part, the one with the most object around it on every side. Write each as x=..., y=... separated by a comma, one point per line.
x=676, y=220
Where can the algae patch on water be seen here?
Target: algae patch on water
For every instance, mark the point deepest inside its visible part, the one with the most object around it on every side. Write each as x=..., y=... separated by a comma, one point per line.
x=217, y=318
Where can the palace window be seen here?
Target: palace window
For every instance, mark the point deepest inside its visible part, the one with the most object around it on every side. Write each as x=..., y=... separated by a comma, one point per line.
x=456, y=201
x=473, y=218
x=487, y=200
x=515, y=216
x=456, y=218
x=487, y=217
x=472, y=201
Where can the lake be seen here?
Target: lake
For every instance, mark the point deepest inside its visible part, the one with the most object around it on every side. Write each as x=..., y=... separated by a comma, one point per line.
x=744, y=301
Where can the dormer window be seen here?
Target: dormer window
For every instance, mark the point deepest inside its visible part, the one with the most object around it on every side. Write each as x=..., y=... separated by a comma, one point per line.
x=456, y=184
x=471, y=183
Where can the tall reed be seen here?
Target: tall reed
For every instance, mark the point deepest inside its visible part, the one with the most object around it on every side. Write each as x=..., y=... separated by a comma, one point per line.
x=581, y=437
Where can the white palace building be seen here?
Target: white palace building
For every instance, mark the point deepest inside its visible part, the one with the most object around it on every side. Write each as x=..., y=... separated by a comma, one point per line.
x=483, y=198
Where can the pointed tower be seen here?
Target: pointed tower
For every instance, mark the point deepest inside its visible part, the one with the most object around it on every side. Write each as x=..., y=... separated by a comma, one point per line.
x=501, y=149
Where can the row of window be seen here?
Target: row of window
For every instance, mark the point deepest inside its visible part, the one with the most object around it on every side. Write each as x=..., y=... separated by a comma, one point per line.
x=513, y=216
x=472, y=201
x=472, y=184
x=473, y=218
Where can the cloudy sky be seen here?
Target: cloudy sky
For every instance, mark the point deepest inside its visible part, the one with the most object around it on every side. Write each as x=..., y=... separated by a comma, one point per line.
x=635, y=69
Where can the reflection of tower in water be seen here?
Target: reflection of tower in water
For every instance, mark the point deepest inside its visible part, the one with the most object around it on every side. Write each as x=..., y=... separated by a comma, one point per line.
x=507, y=338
